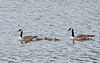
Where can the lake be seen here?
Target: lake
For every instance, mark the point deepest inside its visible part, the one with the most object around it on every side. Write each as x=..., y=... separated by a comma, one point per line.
x=52, y=19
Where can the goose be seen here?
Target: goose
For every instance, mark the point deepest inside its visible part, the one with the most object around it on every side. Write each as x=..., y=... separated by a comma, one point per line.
x=80, y=37
x=26, y=38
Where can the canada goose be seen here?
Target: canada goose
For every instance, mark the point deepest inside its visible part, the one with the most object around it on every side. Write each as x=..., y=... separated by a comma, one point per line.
x=80, y=37
x=26, y=38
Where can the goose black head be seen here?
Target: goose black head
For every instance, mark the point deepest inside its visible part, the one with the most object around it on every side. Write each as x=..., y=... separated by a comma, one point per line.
x=70, y=29
x=20, y=30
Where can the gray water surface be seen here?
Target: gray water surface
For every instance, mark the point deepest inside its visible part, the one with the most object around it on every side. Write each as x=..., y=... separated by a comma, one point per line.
x=49, y=18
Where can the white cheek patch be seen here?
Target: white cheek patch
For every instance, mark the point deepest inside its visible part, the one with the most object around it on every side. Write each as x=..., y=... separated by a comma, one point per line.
x=71, y=29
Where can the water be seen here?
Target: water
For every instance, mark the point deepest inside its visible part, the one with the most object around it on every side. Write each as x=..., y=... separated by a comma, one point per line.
x=52, y=19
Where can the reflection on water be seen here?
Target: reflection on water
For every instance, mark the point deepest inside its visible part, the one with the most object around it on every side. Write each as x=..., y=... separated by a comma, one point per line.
x=49, y=19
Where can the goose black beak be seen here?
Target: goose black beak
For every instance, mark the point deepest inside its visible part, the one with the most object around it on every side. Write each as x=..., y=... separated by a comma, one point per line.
x=68, y=30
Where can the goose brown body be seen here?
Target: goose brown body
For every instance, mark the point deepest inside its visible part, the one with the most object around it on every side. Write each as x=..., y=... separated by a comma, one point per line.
x=26, y=38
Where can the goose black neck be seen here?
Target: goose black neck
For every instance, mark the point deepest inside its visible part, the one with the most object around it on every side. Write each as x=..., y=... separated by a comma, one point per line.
x=21, y=33
x=73, y=33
